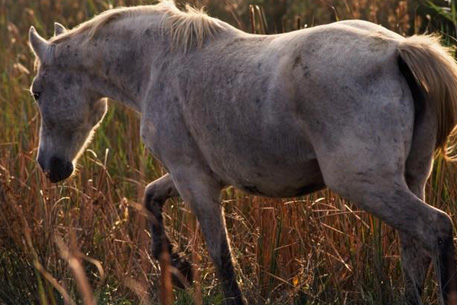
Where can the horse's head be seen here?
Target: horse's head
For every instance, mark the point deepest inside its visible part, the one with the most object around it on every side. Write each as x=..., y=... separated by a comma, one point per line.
x=70, y=111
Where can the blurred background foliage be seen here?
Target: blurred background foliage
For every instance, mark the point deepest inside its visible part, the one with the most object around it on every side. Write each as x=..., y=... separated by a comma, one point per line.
x=313, y=250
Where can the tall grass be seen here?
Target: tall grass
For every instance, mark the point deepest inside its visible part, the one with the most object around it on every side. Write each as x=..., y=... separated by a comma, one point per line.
x=85, y=241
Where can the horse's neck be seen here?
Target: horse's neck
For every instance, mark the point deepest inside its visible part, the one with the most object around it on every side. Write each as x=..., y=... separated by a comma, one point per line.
x=120, y=62
x=125, y=57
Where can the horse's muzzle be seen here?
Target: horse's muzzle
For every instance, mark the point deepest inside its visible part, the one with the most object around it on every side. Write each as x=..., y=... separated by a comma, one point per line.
x=56, y=169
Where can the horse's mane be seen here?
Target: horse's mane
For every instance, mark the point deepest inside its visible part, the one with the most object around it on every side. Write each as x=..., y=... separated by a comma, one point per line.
x=187, y=28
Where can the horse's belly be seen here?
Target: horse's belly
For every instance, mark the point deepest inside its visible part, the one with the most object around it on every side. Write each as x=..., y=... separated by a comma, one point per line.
x=276, y=160
x=280, y=181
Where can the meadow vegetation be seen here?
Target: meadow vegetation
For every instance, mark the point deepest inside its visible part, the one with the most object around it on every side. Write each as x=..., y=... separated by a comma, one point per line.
x=85, y=241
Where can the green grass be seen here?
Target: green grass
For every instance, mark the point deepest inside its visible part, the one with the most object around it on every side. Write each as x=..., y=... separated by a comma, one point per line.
x=312, y=250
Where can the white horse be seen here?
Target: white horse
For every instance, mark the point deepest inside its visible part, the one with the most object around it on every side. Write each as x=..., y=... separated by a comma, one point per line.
x=350, y=106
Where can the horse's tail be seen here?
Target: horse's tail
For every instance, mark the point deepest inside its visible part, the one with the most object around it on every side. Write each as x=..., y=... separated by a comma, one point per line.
x=435, y=70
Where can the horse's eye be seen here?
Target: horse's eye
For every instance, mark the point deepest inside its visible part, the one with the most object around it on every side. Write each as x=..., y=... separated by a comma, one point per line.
x=36, y=95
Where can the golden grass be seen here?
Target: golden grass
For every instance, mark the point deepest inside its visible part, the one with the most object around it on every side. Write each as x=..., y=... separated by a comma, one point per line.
x=85, y=241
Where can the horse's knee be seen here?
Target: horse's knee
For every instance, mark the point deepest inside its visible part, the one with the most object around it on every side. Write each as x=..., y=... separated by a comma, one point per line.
x=433, y=232
x=445, y=223
x=158, y=191
x=441, y=231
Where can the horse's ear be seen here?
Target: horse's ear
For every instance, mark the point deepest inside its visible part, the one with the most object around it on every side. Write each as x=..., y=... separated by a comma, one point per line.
x=59, y=29
x=38, y=44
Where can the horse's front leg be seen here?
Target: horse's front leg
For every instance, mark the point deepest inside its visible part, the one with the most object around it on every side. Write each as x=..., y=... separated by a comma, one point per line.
x=201, y=191
x=156, y=194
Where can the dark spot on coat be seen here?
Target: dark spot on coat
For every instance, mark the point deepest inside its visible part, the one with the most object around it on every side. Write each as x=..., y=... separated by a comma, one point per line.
x=68, y=80
x=305, y=71
x=170, y=191
x=234, y=41
x=160, y=87
x=297, y=62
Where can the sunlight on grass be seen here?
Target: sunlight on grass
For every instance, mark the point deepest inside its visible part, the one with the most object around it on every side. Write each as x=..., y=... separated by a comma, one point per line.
x=85, y=241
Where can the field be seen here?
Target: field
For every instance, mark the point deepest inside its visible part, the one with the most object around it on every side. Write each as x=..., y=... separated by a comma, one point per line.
x=85, y=241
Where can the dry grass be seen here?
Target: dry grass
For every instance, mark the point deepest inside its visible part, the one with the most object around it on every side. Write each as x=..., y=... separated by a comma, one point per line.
x=85, y=241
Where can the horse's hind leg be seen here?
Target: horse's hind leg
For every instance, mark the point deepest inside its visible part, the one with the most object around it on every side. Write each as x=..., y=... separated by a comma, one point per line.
x=415, y=259
x=415, y=263
x=379, y=187
x=156, y=194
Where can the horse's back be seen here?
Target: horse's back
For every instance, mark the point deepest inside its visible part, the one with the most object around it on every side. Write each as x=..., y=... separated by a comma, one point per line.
x=262, y=110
